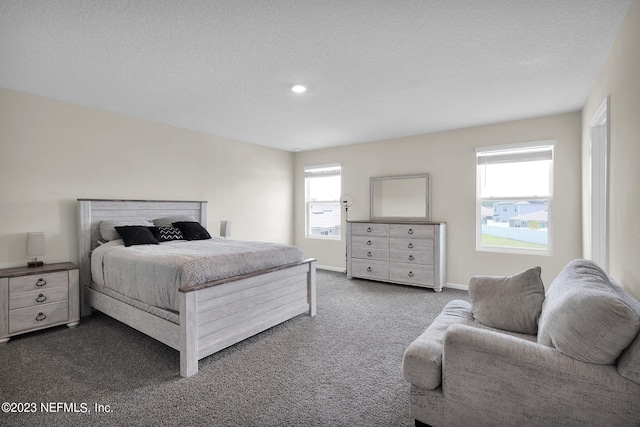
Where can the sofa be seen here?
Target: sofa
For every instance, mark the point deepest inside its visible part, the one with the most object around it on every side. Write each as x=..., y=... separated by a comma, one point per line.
x=515, y=355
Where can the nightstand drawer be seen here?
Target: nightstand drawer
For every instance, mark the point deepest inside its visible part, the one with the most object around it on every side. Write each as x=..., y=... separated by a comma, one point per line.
x=31, y=318
x=38, y=281
x=37, y=297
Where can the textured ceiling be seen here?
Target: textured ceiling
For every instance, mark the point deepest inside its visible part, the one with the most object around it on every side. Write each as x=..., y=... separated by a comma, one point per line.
x=375, y=69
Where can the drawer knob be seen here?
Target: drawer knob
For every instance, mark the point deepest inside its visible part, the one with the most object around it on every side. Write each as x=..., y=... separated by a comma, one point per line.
x=411, y=258
x=369, y=254
x=369, y=243
x=411, y=274
x=41, y=282
x=410, y=231
x=41, y=298
x=369, y=269
x=368, y=229
x=410, y=246
x=40, y=317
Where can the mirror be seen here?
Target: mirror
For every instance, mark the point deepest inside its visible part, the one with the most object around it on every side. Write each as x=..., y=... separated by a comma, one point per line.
x=400, y=198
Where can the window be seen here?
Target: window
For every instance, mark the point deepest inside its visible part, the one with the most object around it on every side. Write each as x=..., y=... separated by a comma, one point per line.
x=514, y=198
x=323, y=211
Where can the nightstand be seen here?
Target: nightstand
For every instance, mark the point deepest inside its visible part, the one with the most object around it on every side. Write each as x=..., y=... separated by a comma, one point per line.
x=33, y=298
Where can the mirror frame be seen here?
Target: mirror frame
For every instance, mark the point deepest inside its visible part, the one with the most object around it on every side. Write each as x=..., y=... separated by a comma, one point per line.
x=427, y=198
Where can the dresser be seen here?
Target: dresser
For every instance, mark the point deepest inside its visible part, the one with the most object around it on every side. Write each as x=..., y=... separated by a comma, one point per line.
x=408, y=253
x=33, y=298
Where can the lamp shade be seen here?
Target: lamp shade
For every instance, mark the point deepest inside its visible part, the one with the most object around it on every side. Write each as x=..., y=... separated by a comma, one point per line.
x=225, y=229
x=35, y=244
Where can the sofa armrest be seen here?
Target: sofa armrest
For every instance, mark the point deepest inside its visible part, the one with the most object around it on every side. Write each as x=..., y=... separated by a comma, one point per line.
x=491, y=378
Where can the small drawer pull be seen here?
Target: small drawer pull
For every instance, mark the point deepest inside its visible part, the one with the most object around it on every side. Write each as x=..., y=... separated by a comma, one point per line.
x=41, y=282
x=368, y=229
x=369, y=269
x=410, y=246
x=369, y=243
x=410, y=231
x=40, y=317
x=369, y=254
x=411, y=274
x=41, y=298
x=411, y=258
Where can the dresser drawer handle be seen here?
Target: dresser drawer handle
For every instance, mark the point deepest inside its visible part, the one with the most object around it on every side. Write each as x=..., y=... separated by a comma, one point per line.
x=410, y=246
x=411, y=274
x=410, y=231
x=368, y=229
x=40, y=317
x=41, y=282
x=369, y=254
x=41, y=298
x=369, y=269
x=411, y=258
x=369, y=243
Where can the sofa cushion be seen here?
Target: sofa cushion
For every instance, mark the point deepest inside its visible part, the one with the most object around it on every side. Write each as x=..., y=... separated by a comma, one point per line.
x=586, y=316
x=511, y=303
x=629, y=362
x=422, y=361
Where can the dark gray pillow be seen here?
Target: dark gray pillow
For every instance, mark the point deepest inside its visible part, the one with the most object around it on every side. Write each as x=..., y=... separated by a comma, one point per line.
x=510, y=303
x=586, y=316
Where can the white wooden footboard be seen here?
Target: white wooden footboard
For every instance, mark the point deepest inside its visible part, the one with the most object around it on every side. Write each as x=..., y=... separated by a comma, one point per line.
x=215, y=315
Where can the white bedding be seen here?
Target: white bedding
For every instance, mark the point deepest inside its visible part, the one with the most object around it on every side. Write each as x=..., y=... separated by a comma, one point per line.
x=154, y=273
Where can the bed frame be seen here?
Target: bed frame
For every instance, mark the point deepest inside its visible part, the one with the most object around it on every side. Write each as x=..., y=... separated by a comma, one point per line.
x=213, y=315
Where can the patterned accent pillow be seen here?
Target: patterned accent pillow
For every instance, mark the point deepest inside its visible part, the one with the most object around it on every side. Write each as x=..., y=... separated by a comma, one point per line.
x=167, y=234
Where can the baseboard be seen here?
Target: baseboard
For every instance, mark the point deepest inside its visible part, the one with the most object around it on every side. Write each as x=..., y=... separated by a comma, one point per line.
x=457, y=286
x=326, y=267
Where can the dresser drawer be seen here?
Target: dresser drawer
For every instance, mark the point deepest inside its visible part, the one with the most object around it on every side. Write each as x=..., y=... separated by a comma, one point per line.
x=369, y=229
x=38, y=281
x=364, y=253
x=38, y=317
x=38, y=297
x=411, y=274
x=377, y=270
x=424, y=245
x=370, y=247
x=371, y=242
x=420, y=231
x=412, y=257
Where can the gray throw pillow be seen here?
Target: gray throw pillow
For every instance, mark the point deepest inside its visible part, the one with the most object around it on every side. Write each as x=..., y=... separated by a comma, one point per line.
x=108, y=231
x=588, y=317
x=168, y=221
x=510, y=303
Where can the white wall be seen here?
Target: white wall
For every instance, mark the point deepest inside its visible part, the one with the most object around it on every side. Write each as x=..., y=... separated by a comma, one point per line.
x=619, y=80
x=52, y=153
x=450, y=159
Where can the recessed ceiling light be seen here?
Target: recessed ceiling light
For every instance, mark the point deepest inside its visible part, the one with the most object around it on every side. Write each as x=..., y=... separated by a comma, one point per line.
x=298, y=88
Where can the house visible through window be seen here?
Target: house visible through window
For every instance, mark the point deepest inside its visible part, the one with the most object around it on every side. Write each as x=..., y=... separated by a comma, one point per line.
x=323, y=211
x=514, y=198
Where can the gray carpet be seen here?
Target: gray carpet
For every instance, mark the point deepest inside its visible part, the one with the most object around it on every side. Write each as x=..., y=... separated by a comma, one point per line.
x=340, y=368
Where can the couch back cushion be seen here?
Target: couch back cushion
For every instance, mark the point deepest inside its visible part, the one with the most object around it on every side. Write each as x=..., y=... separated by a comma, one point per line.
x=586, y=316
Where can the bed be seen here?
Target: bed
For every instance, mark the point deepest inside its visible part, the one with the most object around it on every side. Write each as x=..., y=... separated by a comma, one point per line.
x=254, y=301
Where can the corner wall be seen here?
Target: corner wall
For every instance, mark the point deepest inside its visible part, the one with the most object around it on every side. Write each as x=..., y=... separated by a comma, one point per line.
x=619, y=80
x=53, y=152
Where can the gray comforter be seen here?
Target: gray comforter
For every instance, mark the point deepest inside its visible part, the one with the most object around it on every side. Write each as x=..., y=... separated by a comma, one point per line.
x=154, y=273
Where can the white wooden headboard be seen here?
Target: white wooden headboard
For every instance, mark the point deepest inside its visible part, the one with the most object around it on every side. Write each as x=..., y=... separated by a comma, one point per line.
x=93, y=211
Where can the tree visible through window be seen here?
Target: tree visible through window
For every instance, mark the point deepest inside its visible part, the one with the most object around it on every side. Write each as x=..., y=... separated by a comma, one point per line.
x=514, y=197
x=323, y=211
